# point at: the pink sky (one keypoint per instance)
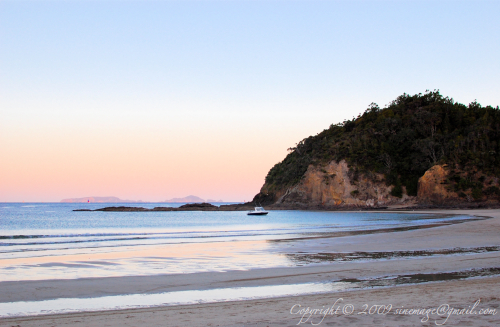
(143, 155)
(150, 100)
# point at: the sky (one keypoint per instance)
(150, 100)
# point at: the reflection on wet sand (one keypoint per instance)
(143, 261)
(66, 305)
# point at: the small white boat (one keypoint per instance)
(258, 211)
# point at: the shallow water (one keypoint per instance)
(68, 305)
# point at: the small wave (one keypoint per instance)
(131, 237)
(73, 242)
(13, 237)
(188, 234)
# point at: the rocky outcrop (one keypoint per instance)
(187, 207)
(334, 185)
(432, 187)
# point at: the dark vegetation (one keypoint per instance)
(402, 141)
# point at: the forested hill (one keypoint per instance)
(402, 141)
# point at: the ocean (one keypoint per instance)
(51, 241)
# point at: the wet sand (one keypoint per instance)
(276, 312)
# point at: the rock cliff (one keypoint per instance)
(444, 185)
(432, 188)
(335, 185)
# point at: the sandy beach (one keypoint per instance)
(238, 163)
(352, 307)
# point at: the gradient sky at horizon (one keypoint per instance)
(150, 100)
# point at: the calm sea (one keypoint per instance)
(50, 240)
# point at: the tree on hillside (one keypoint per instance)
(402, 141)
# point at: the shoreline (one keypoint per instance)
(464, 235)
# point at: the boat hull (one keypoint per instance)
(257, 213)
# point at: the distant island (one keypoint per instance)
(190, 199)
(99, 199)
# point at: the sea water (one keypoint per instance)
(51, 241)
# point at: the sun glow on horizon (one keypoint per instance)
(150, 100)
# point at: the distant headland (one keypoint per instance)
(422, 150)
